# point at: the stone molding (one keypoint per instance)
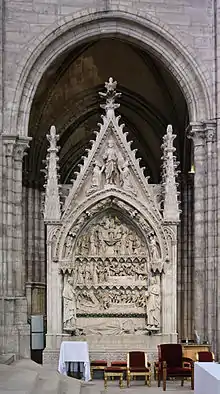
(135, 25)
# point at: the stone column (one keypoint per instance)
(19, 264)
(197, 133)
(209, 296)
(13, 329)
(9, 142)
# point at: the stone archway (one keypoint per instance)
(135, 27)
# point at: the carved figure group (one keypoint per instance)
(110, 237)
(109, 170)
(97, 271)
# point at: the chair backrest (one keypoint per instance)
(171, 353)
(136, 359)
(205, 357)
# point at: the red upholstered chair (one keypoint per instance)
(119, 363)
(171, 364)
(205, 357)
(137, 365)
(97, 365)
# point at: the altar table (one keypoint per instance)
(74, 352)
(207, 378)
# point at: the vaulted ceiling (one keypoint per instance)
(67, 97)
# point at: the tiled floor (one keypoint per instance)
(138, 387)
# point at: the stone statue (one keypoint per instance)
(94, 273)
(68, 246)
(80, 278)
(97, 175)
(153, 248)
(125, 176)
(110, 158)
(69, 303)
(153, 303)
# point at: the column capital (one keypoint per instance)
(22, 143)
(210, 129)
(15, 145)
(201, 132)
(9, 141)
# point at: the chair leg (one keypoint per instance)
(105, 381)
(158, 379)
(182, 382)
(164, 379)
(192, 378)
(128, 379)
(121, 381)
(149, 380)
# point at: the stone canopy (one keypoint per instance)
(111, 252)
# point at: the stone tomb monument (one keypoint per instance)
(111, 246)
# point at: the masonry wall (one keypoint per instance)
(191, 21)
(22, 22)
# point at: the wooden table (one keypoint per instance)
(191, 350)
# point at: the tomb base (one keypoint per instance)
(108, 347)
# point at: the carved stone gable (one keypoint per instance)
(111, 163)
(112, 250)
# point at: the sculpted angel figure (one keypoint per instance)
(125, 176)
(97, 175)
(110, 158)
(153, 248)
(69, 301)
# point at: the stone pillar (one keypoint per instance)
(9, 143)
(209, 296)
(14, 331)
(19, 269)
(197, 133)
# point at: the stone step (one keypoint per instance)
(48, 385)
(17, 381)
(27, 377)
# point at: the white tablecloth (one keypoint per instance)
(74, 352)
(207, 378)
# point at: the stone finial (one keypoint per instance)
(52, 210)
(110, 95)
(171, 205)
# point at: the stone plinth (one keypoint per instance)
(108, 347)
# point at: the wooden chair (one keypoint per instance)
(98, 365)
(112, 372)
(205, 357)
(171, 364)
(137, 365)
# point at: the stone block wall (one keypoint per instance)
(27, 22)
(24, 25)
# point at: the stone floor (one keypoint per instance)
(138, 387)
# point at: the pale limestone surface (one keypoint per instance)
(180, 34)
(27, 377)
(112, 249)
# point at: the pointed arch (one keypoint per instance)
(131, 25)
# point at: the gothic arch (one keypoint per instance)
(141, 219)
(131, 25)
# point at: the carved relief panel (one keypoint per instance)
(110, 273)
